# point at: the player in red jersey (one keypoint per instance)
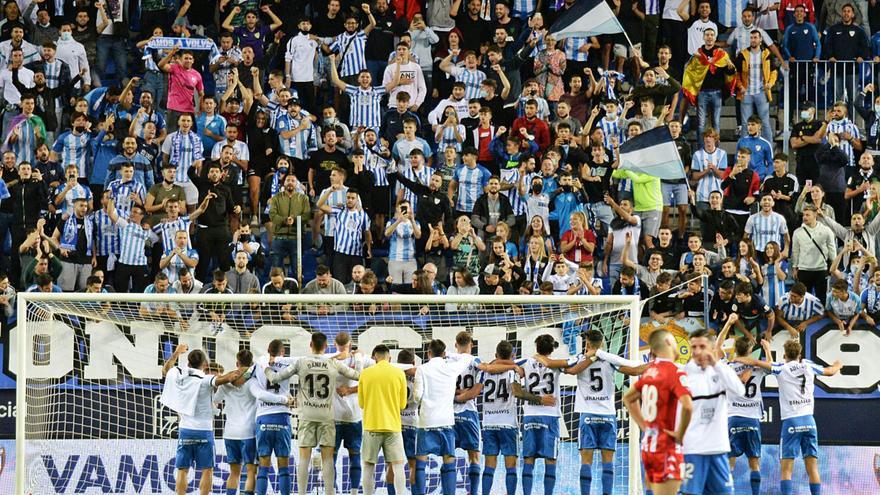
(653, 403)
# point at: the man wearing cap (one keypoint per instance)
(495, 281)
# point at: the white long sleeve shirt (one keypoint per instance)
(73, 54)
(707, 431)
(434, 389)
(412, 81)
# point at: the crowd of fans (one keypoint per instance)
(442, 147)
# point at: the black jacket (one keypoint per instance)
(480, 215)
(219, 208)
(432, 206)
(28, 199)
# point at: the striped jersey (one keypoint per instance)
(105, 234)
(78, 191)
(300, 144)
(523, 8)
(351, 48)
(176, 263)
(334, 199)
(751, 404)
(348, 238)
(26, 144)
(73, 149)
(132, 242)
(844, 310)
(845, 125)
(471, 78)
(871, 299)
(611, 128)
(422, 176)
(366, 106)
(796, 313)
(709, 182)
(571, 47)
(540, 380)
(121, 193)
(402, 243)
(471, 182)
(447, 138)
(774, 287)
(499, 403)
(167, 228)
(730, 12)
(518, 202)
(374, 162)
(183, 151)
(652, 7)
(763, 228)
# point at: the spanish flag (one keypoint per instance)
(695, 72)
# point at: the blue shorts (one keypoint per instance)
(674, 194)
(745, 437)
(597, 431)
(273, 435)
(437, 441)
(799, 437)
(540, 437)
(409, 441)
(241, 451)
(467, 430)
(500, 440)
(195, 447)
(706, 475)
(352, 434)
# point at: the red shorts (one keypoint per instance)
(664, 465)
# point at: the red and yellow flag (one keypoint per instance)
(696, 69)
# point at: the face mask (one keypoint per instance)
(806, 115)
(483, 93)
(537, 188)
(80, 128)
(330, 121)
(65, 36)
(877, 108)
(282, 170)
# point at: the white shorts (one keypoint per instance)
(401, 272)
(192, 193)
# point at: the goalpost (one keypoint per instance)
(89, 373)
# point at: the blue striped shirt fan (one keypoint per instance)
(183, 150)
(73, 149)
(351, 48)
(402, 244)
(132, 242)
(517, 201)
(334, 200)
(349, 237)
(709, 182)
(366, 106)
(121, 194)
(300, 144)
(762, 229)
(168, 229)
(106, 234)
(471, 182)
(471, 78)
(422, 176)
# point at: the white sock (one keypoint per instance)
(400, 479)
(368, 480)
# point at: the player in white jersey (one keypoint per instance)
(500, 392)
(189, 388)
(273, 421)
(541, 421)
(796, 378)
(706, 444)
(409, 420)
(744, 412)
(467, 418)
(434, 390)
(597, 425)
(317, 381)
(347, 411)
(240, 399)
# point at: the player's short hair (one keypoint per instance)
(798, 288)
(319, 341)
(743, 288)
(219, 275)
(840, 285)
(792, 350)
(504, 350)
(244, 357)
(463, 338)
(342, 338)
(437, 348)
(545, 344)
(275, 347)
(406, 356)
(664, 278)
(726, 285)
(322, 270)
(657, 340)
(628, 271)
(381, 351)
(91, 280)
(197, 359)
(742, 346)
(700, 333)
(594, 338)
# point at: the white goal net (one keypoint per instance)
(89, 375)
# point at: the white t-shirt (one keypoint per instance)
(707, 432)
(469, 378)
(434, 389)
(202, 418)
(695, 34)
(301, 55)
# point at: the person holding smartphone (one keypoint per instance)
(402, 231)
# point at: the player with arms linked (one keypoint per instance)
(796, 378)
(653, 403)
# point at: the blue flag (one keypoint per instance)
(653, 153)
